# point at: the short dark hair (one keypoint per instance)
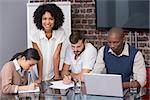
(75, 37)
(117, 30)
(28, 54)
(55, 11)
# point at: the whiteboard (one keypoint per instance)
(66, 8)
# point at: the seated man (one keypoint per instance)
(80, 58)
(118, 57)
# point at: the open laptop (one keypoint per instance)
(103, 84)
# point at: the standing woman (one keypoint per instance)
(12, 75)
(48, 40)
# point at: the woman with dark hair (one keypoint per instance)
(48, 40)
(13, 76)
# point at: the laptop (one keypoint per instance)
(103, 84)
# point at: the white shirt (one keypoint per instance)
(139, 70)
(86, 60)
(47, 48)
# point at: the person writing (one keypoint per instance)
(80, 58)
(13, 76)
(48, 40)
(118, 57)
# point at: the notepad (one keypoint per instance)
(61, 85)
(37, 89)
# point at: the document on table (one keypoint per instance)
(61, 85)
(37, 89)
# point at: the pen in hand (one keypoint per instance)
(33, 86)
(67, 79)
(75, 80)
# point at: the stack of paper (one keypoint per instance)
(37, 89)
(61, 85)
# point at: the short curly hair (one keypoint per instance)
(55, 11)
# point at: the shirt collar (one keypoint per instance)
(77, 58)
(124, 52)
(43, 36)
(17, 66)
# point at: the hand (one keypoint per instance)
(58, 77)
(80, 77)
(131, 84)
(134, 84)
(38, 81)
(67, 79)
(32, 86)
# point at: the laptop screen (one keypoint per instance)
(103, 84)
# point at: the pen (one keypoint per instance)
(67, 77)
(30, 79)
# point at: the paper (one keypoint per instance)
(28, 91)
(61, 85)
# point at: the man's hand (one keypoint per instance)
(67, 79)
(58, 77)
(135, 84)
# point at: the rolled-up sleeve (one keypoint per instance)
(99, 66)
(33, 36)
(90, 58)
(139, 69)
(61, 35)
(68, 55)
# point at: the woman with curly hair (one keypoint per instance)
(48, 40)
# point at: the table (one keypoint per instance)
(47, 93)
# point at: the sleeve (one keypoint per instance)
(7, 85)
(16, 89)
(68, 56)
(90, 58)
(139, 70)
(99, 66)
(33, 36)
(62, 35)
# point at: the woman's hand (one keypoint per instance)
(32, 86)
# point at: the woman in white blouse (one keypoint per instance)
(48, 40)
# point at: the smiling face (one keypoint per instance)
(78, 47)
(47, 22)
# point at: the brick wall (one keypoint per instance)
(83, 19)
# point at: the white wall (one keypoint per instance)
(12, 28)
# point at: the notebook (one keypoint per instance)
(103, 84)
(61, 85)
(37, 89)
